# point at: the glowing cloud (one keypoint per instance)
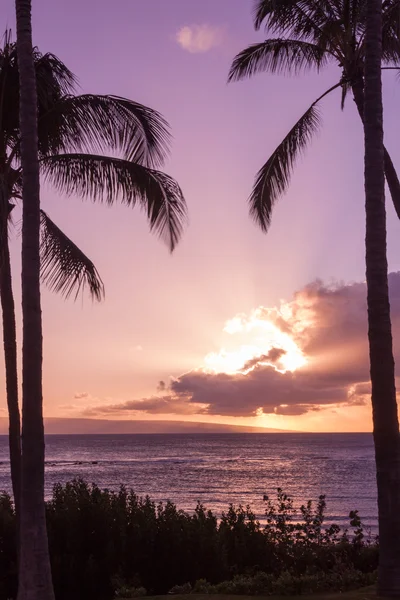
(199, 38)
(300, 357)
(265, 336)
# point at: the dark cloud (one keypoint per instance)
(162, 386)
(263, 388)
(273, 356)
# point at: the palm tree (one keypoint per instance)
(384, 405)
(34, 565)
(360, 36)
(310, 35)
(57, 254)
(71, 130)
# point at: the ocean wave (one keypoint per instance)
(139, 461)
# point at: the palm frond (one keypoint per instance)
(64, 267)
(53, 81)
(93, 123)
(391, 17)
(332, 37)
(390, 31)
(390, 46)
(277, 56)
(273, 178)
(53, 78)
(89, 122)
(107, 179)
(295, 18)
(319, 22)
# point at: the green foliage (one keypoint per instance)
(107, 544)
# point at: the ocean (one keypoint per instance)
(219, 469)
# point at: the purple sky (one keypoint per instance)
(163, 314)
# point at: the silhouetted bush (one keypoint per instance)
(285, 584)
(105, 544)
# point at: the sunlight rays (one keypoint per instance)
(261, 344)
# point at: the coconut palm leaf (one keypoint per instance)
(332, 37)
(391, 50)
(390, 35)
(93, 123)
(277, 56)
(106, 179)
(64, 267)
(273, 178)
(53, 80)
(296, 18)
(89, 122)
(52, 73)
(390, 17)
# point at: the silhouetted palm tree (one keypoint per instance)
(310, 35)
(384, 405)
(72, 130)
(57, 255)
(360, 36)
(34, 574)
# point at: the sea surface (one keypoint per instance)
(219, 469)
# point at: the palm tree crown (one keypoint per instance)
(101, 147)
(310, 35)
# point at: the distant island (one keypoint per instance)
(102, 426)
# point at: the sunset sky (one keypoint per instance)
(236, 326)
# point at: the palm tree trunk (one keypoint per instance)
(384, 406)
(390, 172)
(10, 358)
(35, 582)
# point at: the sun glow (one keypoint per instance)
(263, 344)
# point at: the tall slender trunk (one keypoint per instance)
(35, 582)
(390, 172)
(384, 406)
(10, 358)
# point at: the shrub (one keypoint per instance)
(287, 584)
(105, 544)
(130, 592)
(186, 588)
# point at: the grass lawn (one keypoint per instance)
(360, 594)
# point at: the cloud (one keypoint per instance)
(273, 357)
(329, 326)
(199, 38)
(81, 395)
(156, 405)
(296, 358)
(263, 388)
